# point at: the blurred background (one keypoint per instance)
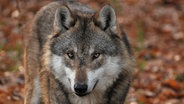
(155, 29)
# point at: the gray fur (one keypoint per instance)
(61, 27)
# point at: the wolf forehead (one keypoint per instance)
(84, 41)
(85, 35)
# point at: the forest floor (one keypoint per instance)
(155, 29)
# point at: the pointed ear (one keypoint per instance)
(107, 19)
(63, 19)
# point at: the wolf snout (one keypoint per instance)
(80, 89)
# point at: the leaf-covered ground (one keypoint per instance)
(155, 29)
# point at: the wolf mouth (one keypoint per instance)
(95, 84)
(81, 94)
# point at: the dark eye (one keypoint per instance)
(70, 55)
(96, 55)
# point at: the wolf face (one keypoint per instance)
(86, 53)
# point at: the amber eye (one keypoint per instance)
(96, 55)
(70, 55)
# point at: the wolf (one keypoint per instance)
(76, 55)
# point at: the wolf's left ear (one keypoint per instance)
(107, 19)
(63, 19)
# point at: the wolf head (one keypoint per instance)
(86, 52)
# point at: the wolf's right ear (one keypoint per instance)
(63, 19)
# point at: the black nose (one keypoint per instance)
(80, 89)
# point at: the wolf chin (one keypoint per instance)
(75, 55)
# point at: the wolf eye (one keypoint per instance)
(70, 55)
(96, 55)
